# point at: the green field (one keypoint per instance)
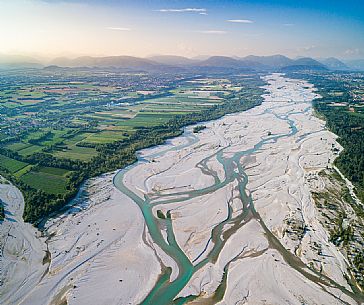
(30, 150)
(52, 184)
(104, 137)
(69, 125)
(11, 165)
(17, 146)
(54, 171)
(75, 153)
(23, 171)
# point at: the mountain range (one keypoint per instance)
(214, 63)
(175, 63)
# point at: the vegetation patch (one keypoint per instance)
(51, 184)
(2, 211)
(198, 128)
(11, 165)
(337, 210)
(54, 171)
(340, 89)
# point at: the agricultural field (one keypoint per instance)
(46, 181)
(11, 165)
(76, 110)
(74, 152)
(60, 126)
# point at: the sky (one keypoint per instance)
(46, 28)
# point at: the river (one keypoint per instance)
(224, 216)
(277, 107)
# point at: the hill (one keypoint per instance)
(274, 61)
(334, 64)
(173, 63)
(108, 61)
(17, 61)
(356, 64)
(172, 60)
(278, 62)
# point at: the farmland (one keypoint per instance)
(61, 126)
(10, 164)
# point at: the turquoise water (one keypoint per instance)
(165, 291)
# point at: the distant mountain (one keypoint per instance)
(334, 64)
(60, 62)
(253, 65)
(17, 62)
(172, 60)
(115, 62)
(108, 61)
(16, 59)
(307, 61)
(230, 63)
(274, 61)
(220, 61)
(304, 63)
(355, 64)
(200, 57)
(172, 63)
(20, 65)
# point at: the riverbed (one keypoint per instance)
(223, 216)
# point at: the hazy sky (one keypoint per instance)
(319, 28)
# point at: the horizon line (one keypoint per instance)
(45, 58)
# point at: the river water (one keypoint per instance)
(167, 291)
(219, 213)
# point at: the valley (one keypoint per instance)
(231, 213)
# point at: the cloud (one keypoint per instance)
(308, 48)
(288, 24)
(212, 32)
(201, 11)
(112, 28)
(240, 21)
(352, 52)
(305, 48)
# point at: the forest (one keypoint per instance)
(343, 113)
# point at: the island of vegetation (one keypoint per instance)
(2, 212)
(198, 128)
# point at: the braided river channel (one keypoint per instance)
(225, 155)
(222, 216)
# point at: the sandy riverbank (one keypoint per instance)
(22, 249)
(272, 250)
(97, 250)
